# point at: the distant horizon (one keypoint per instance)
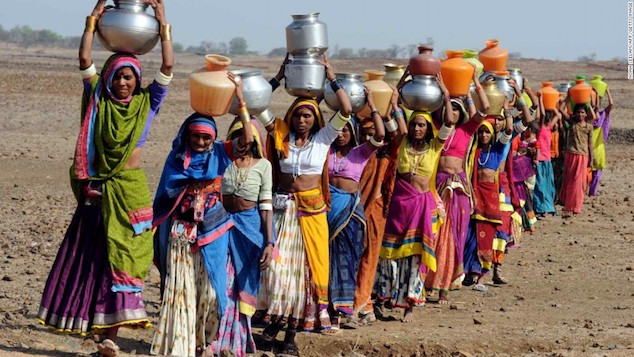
(567, 31)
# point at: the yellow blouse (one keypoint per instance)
(419, 164)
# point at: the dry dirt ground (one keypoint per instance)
(571, 288)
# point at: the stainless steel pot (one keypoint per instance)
(502, 83)
(484, 75)
(257, 92)
(306, 34)
(128, 28)
(563, 88)
(422, 93)
(516, 74)
(352, 84)
(304, 76)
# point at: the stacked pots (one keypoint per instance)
(128, 28)
(422, 91)
(306, 40)
(352, 84)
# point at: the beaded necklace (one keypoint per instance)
(415, 157)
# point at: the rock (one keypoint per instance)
(588, 325)
(7, 278)
(502, 309)
(613, 347)
(630, 325)
(477, 322)
(629, 268)
(556, 305)
(626, 199)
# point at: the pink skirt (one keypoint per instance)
(573, 188)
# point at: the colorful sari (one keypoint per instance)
(96, 281)
(407, 252)
(187, 203)
(376, 184)
(347, 225)
(599, 139)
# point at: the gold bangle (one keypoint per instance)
(166, 32)
(91, 24)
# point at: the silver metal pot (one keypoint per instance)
(257, 92)
(484, 75)
(516, 74)
(564, 87)
(304, 76)
(128, 28)
(502, 83)
(306, 34)
(422, 93)
(352, 84)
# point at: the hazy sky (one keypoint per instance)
(553, 29)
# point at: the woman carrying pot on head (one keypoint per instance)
(108, 243)
(413, 217)
(544, 191)
(456, 193)
(579, 157)
(298, 150)
(207, 286)
(485, 245)
(376, 185)
(346, 218)
(599, 139)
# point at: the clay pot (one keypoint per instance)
(393, 73)
(598, 84)
(550, 96)
(493, 57)
(381, 93)
(424, 63)
(471, 56)
(456, 74)
(210, 91)
(352, 84)
(580, 93)
(495, 96)
(422, 93)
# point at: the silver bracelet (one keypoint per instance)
(88, 72)
(376, 143)
(266, 206)
(391, 126)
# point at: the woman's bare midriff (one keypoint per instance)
(235, 204)
(486, 175)
(134, 161)
(344, 183)
(451, 165)
(301, 183)
(421, 183)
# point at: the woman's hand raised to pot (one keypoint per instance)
(238, 82)
(280, 73)
(99, 8)
(330, 73)
(441, 85)
(159, 10)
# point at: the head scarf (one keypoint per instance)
(203, 125)
(283, 128)
(427, 116)
(461, 108)
(101, 151)
(257, 147)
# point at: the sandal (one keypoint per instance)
(354, 322)
(481, 288)
(108, 348)
(269, 334)
(498, 280)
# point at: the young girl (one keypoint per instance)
(544, 192)
(579, 156)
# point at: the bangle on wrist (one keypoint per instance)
(89, 72)
(335, 85)
(91, 24)
(166, 32)
(391, 126)
(272, 244)
(373, 111)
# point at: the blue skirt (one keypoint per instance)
(544, 192)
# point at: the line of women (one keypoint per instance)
(320, 225)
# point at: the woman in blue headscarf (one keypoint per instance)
(192, 234)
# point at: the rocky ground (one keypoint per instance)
(571, 288)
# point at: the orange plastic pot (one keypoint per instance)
(493, 57)
(456, 73)
(580, 93)
(550, 96)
